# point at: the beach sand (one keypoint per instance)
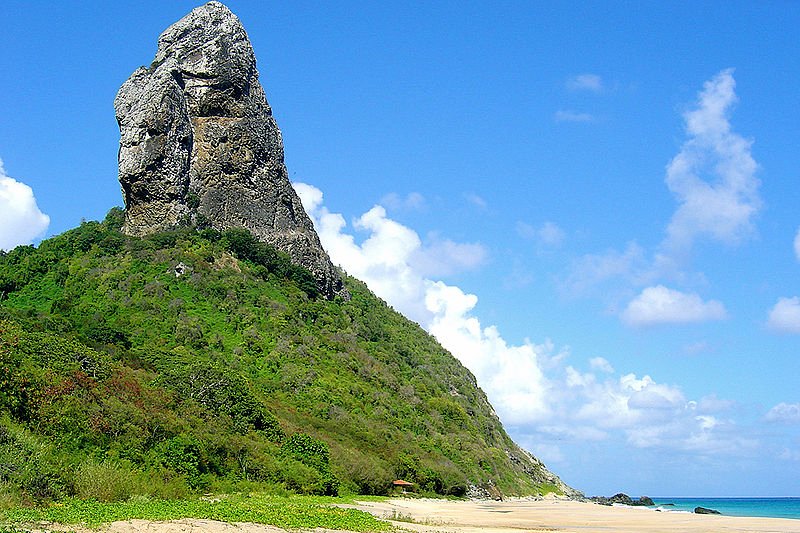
(441, 516)
(559, 515)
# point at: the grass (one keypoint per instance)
(397, 516)
(292, 512)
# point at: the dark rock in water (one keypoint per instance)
(705, 510)
(622, 499)
(198, 143)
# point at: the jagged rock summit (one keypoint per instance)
(198, 142)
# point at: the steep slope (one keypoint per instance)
(194, 360)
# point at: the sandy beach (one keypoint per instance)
(440, 516)
(559, 515)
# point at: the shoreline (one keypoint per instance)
(567, 516)
(481, 516)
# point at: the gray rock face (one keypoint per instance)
(198, 142)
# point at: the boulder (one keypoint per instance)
(705, 510)
(622, 499)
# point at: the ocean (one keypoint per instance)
(766, 507)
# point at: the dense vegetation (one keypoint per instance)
(193, 361)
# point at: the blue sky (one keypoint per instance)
(593, 205)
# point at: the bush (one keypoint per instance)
(245, 246)
(313, 453)
(104, 481)
(184, 454)
(222, 391)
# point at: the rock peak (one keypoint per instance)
(198, 143)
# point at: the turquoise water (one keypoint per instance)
(767, 507)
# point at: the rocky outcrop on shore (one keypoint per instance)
(199, 144)
(622, 499)
(705, 510)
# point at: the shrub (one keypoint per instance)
(104, 481)
(314, 453)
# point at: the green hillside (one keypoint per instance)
(194, 361)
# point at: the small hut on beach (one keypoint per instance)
(402, 486)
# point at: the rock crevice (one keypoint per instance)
(198, 142)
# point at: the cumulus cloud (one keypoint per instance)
(388, 260)
(601, 364)
(511, 375)
(411, 202)
(585, 82)
(713, 176)
(661, 305)
(443, 257)
(531, 386)
(646, 413)
(20, 219)
(788, 413)
(594, 270)
(712, 404)
(785, 315)
(566, 115)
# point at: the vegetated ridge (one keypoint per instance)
(194, 360)
(201, 340)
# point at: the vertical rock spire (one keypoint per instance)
(198, 141)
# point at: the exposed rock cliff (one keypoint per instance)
(198, 142)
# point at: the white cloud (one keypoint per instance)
(713, 176)
(20, 219)
(797, 245)
(565, 115)
(388, 260)
(531, 386)
(548, 453)
(585, 82)
(785, 412)
(785, 315)
(713, 404)
(601, 364)
(511, 375)
(443, 257)
(593, 270)
(661, 305)
(548, 234)
(713, 179)
(411, 202)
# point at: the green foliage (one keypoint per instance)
(241, 243)
(222, 392)
(293, 513)
(314, 453)
(117, 367)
